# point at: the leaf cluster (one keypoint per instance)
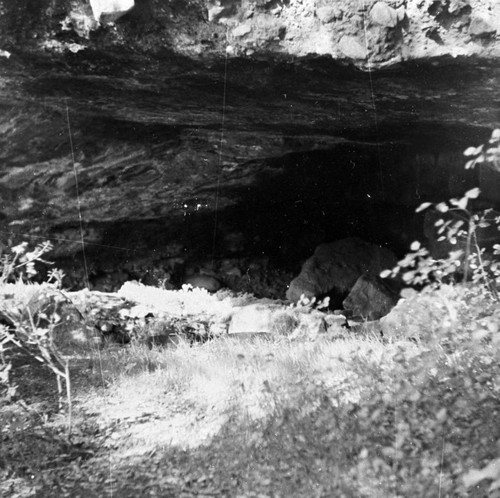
(459, 227)
(413, 422)
(20, 263)
(29, 323)
(488, 154)
(306, 303)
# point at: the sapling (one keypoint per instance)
(21, 260)
(459, 226)
(31, 325)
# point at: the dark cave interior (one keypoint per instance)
(173, 176)
(297, 202)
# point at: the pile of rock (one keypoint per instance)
(347, 271)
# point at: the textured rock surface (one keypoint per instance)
(259, 317)
(370, 298)
(207, 282)
(275, 319)
(335, 267)
(371, 33)
(152, 168)
(106, 11)
(420, 316)
(154, 140)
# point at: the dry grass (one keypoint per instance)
(272, 417)
(185, 395)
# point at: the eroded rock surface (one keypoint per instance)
(335, 267)
(370, 33)
(212, 131)
(371, 298)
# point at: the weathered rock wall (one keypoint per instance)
(370, 33)
(281, 143)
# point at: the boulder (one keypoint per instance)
(310, 325)
(335, 267)
(242, 30)
(328, 13)
(457, 6)
(259, 317)
(481, 27)
(371, 298)
(353, 48)
(270, 319)
(207, 282)
(384, 15)
(421, 315)
(106, 11)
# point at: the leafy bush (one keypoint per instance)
(476, 261)
(20, 265)
(412, 422)
(29, 315)
(451, 390)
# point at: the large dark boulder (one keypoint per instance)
(371, 297)
(335, 267)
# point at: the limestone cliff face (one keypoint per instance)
(138, 124)
(369, 33)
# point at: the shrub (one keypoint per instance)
(30, 315)
(450, 390)
(20, 264)
(410, 421)
(474, 260)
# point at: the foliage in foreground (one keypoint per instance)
(421, 422)
(473, 315)
(465, 230)
(294, 418)
(29, 316)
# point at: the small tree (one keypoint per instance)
(30, 325)
(478, 264)
(20, 265)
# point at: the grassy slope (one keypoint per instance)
(350, 417)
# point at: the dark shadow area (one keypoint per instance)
(298, 201)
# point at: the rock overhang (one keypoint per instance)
(174, 119)
(371, 34)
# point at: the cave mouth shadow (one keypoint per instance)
(303, 199)
(300, 200)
